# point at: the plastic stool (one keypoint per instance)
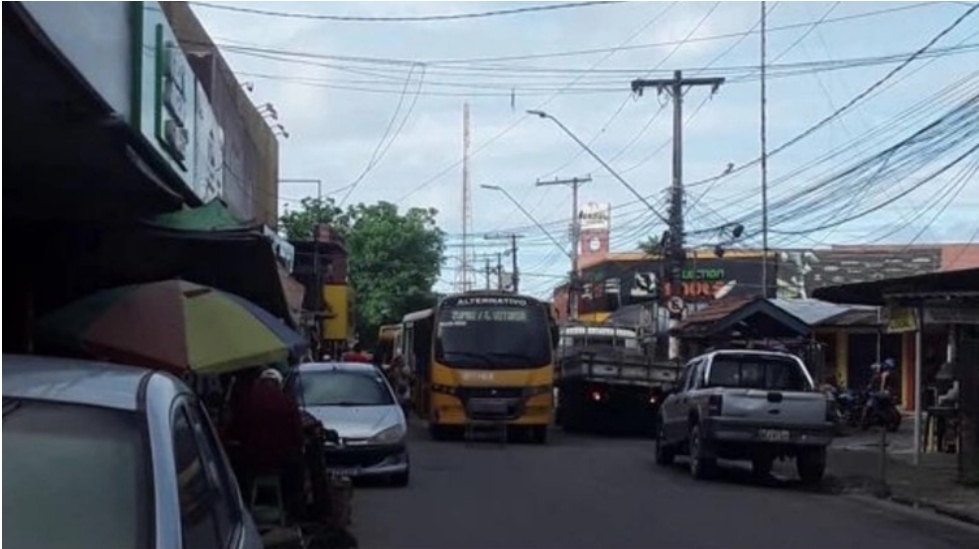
(264, 513)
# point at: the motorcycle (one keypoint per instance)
(880, 409)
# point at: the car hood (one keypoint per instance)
(357, 422)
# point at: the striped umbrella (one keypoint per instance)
(174, 325)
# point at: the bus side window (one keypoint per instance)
(408, 338)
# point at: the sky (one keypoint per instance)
(380, 104)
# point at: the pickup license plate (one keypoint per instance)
(774, 435)
(346, 472)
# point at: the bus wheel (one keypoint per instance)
(436, 431)
(538, 435)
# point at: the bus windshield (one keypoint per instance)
(482, 334)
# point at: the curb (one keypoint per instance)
(869, 487)
(939, 508)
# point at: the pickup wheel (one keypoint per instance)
(811, 465)
(664, 453)
(701, 466)
(761, 466)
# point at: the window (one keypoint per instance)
(490, 336)
(198, 521)
(226, 508)
(772, 373)
(340, 388)
(75, 476)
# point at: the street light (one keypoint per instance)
(528, 214)
(542, 114)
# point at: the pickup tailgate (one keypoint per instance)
(774, 407)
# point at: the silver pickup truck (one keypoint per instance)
(746, 405)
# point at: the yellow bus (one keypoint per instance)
(387, 342)
(482, 355)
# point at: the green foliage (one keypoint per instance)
(650, 246)
(394, 258)
(299, 224)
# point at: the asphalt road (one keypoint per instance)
(593, 492)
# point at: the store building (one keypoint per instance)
(108, 127)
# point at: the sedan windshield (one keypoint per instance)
(74, 476)
(339, 388)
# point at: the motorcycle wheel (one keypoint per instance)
(893, 420)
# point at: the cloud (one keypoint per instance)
(335, 130)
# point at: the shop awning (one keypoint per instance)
(211, 246)
(948, 284)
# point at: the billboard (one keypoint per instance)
(595, 223)
(595, 217)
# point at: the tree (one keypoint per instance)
(394, 258)
(394, 261)
(299, 224)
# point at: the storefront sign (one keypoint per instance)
(595, 217)
(902, 320)
(934, 315)
(171, 109)
(208, 150)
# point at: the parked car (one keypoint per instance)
(357, 402)
(746, 405)
(101, 455)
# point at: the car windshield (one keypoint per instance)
(493, 337)
(340, 388)
(757, 372)
(74, 476)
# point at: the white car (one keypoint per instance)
(356, 401)
(101, 455)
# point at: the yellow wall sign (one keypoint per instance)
(336, 326)
(902, 320)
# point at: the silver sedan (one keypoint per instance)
(356, 401)
(99, 455)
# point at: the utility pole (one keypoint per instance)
(574, 183)
(675, 255)
(515, 274)
(488, 271)
(764, 162)
(499, 271)
(512, 238)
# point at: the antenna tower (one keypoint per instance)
(465, 266)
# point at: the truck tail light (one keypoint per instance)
(596, 396)
(714, 405)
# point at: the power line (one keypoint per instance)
(879, 82)
(399, 19)
(378, 151)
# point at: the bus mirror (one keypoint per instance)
(555, 335)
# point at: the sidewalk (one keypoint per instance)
(854, 466)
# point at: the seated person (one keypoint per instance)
(357, 355)
(267, 425)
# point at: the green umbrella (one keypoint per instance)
(174, 325)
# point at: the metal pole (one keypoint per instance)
(674, 254)
(488, 270)
(764, 162)
(499, 271)
(917, 384)
(573, 293)
(575, 241)
(516, 272)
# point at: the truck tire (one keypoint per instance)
(664, 452)
(811, 465)
(701, 467)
